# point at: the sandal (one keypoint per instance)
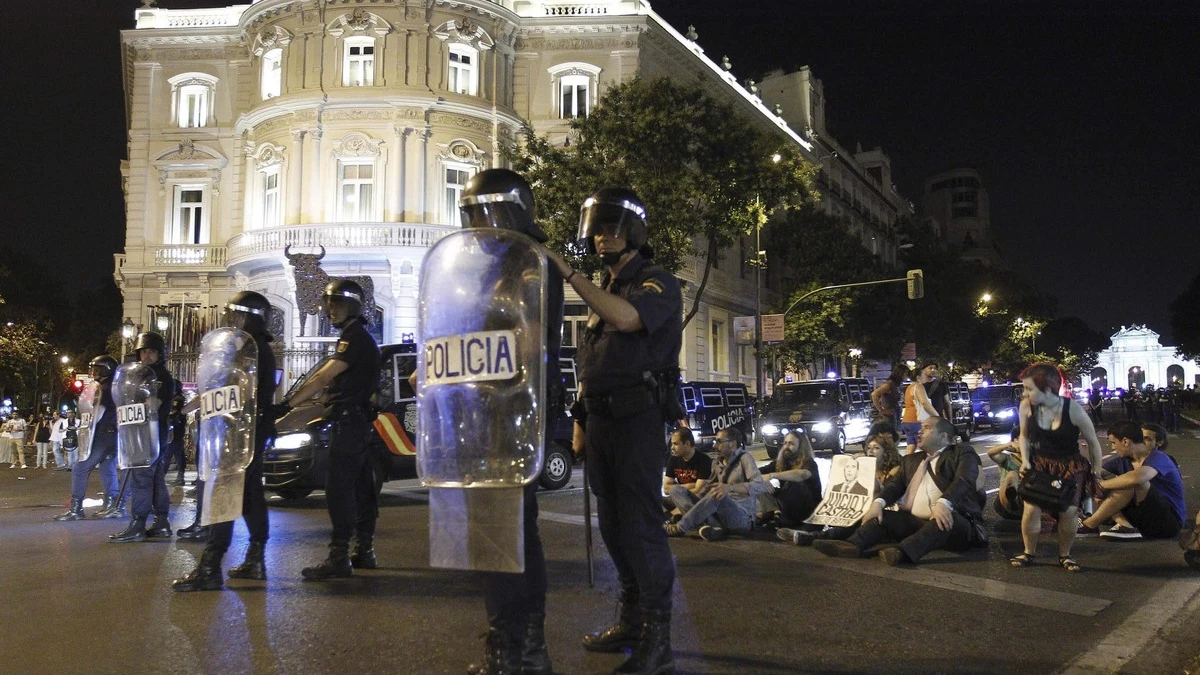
(1023, 560)
(1068, 563)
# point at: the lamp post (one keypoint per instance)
(127, 333)
(760, 260)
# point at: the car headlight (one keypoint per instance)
(822, 428)
(293, 441)
(770, 429)
(1005, 414)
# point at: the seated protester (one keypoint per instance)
(686, 468)
(887, 464)
(884, 428)
(794, 484)
(1008, 457)
(1146, 501)
(727, 503)
(938, 499)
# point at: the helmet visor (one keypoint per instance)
(612, 219)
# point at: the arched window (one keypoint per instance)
(463, 69)
(272, 73)
(575, 85)
(192, 97)
(1175, 375)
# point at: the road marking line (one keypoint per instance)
(1123, 643)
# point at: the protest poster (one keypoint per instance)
(850, 493)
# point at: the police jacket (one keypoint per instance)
(609, 360)
(352, 388)
(166, 392)
(264, 396)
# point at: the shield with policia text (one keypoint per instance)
(135, 392)
(89, 411)
(227, 377)
(481, 378)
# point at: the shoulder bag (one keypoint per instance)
(1043, 489)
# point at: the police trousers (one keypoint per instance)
(148, 485)
(254, 507)
(103, 455)
(350, 480)
(625, 460)
(511, 598)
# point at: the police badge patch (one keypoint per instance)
(342, 346)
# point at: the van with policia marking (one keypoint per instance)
(713, 406)
(297, 461)
(834, 413)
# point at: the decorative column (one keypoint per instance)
(396, 169)
(295, 184)
(313, 211)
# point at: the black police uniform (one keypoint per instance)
(149, 484)
(349, 482)
(254, 502)
(626, 447)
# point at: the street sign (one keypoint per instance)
(909, 351)
(772, 328)
(743, 329)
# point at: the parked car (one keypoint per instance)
(995, 407)
(296, 462)
(713, 406)
(834, 413)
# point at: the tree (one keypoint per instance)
(705, 173)
(1075, 343)
(1185, 320)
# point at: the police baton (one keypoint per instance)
(587, 526)
(121, 492)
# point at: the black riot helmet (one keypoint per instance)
(152, 340)
(499, 198)
(247, 311)
(344, 298)
(102, 367)
(613, 211)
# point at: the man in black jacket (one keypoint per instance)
(939, 503)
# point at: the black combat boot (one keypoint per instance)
(652, 655)
(535, 659)
(363, 557)
(254, 567)
(206, 576)
(161, 529)
(135, 531)
(73, 513)
(117, 510)
(501, 655)
(336, 566)
(109, 506)
(193, 531)
(624, 633)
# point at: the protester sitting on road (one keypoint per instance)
(1155, 436)
(728, 502)
(1008, 503)
(884, 428)
(795, 484)
(887, 465)
(939, 504)
(1145, 501)
(686, 469)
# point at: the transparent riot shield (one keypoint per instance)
(481, 380)
(135, 393)
(227, 377)
(89, 411)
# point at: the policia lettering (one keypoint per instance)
(629, 352)
(474, 357)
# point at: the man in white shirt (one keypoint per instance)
(940, 505)
(16, 427)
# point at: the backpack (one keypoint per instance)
(71, 439)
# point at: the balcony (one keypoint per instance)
(363, 239)
(192, 257)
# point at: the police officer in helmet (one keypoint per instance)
(246, 311)
(148, 485)
(628, 368)
(103, 453)
(348, 379)
(516, 603)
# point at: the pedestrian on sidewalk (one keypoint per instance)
(41, 436)
(917, 408)
(57, 427)
(70, 439)
(16, 430)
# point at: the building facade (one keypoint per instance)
(1137, 359)
(279, 141)
(957, 202)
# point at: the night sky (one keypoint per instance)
(1078, 115)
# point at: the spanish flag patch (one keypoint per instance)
(393, 435)
(652, 285)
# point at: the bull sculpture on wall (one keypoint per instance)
(311, 281)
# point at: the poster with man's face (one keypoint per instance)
(849, 493)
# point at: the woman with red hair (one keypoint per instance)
(1050, 429)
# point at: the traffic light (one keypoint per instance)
(76, 387)
(916, 284)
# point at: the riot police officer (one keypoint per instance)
(516, 603)
(245, 311)
(148, 484)
(628, 365)
(103, 453)
(348, 379)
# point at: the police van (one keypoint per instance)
(297, 462)
(713, 406)
(833, 412)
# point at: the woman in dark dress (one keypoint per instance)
(1050, 429)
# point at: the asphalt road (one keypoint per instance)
(74, 603)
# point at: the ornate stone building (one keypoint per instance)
(1136, 359)
(348, 128)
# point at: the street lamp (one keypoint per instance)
(760, 260)
(127, 332)
(162, 322)
(985, 298)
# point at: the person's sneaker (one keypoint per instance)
(673, 530)
(1085, 531)
(1122, 532)
(786, 534)
(797, 537)
(712, 533)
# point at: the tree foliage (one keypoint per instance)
(705, 173)
(1185, 320)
